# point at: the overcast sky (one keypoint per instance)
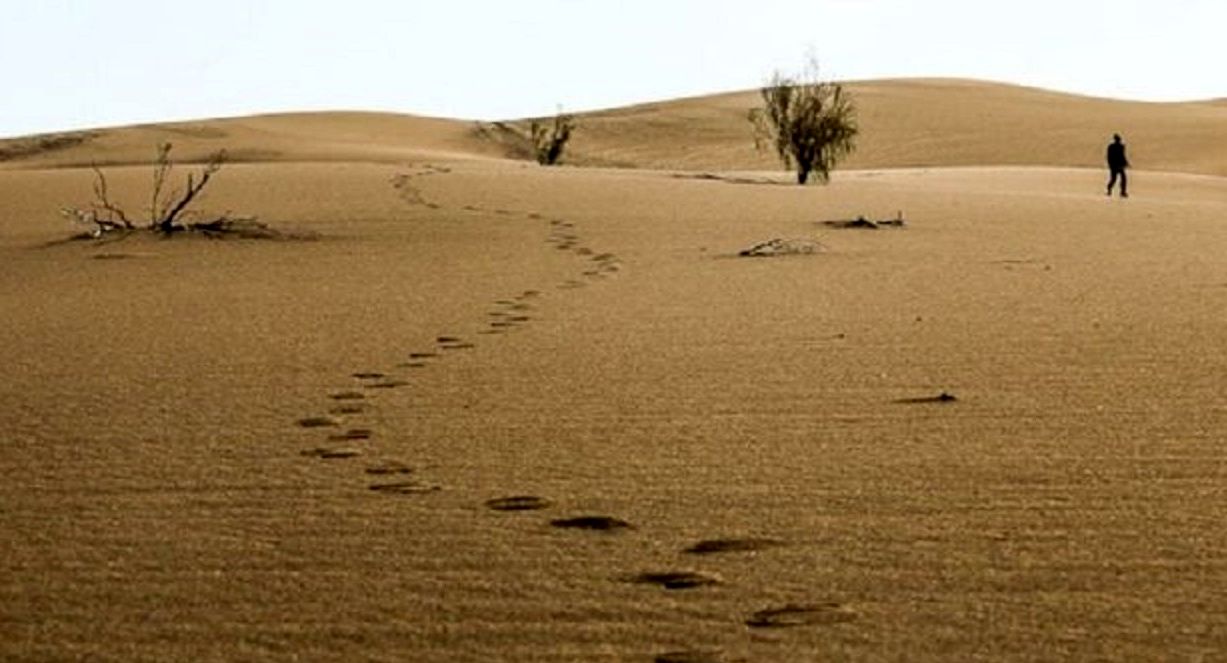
(83, 63)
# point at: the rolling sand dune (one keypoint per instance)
(481, 410)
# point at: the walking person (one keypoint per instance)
(1117, 163)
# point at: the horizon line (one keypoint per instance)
(600, 108)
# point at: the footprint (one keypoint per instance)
(752, 544)
(676, 579)
(367, 375)
(447, 339)
(331, 454)
(811, 614)
(424, 355)
(347, 396)
(390, 467)
(318, 422)
(528, 294)
(690, 656)
(388, 384)
(601, 523)
(458, 346)
(943, 397)
(413, 364)
(352, 435)
(352, 408)
(404, 488)
(518, 503)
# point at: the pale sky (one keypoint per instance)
(68, 64)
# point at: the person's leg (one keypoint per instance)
(1124, 185)
(1111, 181)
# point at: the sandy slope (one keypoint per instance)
(905, 123)
(158, 505)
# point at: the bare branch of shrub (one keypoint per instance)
(102, 200)
(168, 207)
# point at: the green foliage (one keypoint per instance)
(810, 123)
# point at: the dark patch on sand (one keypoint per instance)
(943, 397)
(749, 544)
(389, 468)
(388, 384)
(865, 223)
(675, 579)
(809, 614)
(331, 454)
(318, 422)
(353, 434)
(518, 503)
(600, 523)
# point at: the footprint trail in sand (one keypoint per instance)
(349, 437)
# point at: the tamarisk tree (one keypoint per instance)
(811, 123)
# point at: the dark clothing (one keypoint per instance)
(1124, 182)
(1116, 157)
(1117, 163)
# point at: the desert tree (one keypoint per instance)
(549, 140)
(168, 204)
(810, 122)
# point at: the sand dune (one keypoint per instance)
(498, 412)
(905, 123)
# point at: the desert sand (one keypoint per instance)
(301, 449)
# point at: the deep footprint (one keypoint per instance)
(331, 454)
(943, 397)
(676, 579)
(752, 544)
(347, 396)
(600, 523)
(352, 435)
(518, 503)
(389, 468)
(811, 614)
(318, 422)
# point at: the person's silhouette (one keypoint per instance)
(1117, 163)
